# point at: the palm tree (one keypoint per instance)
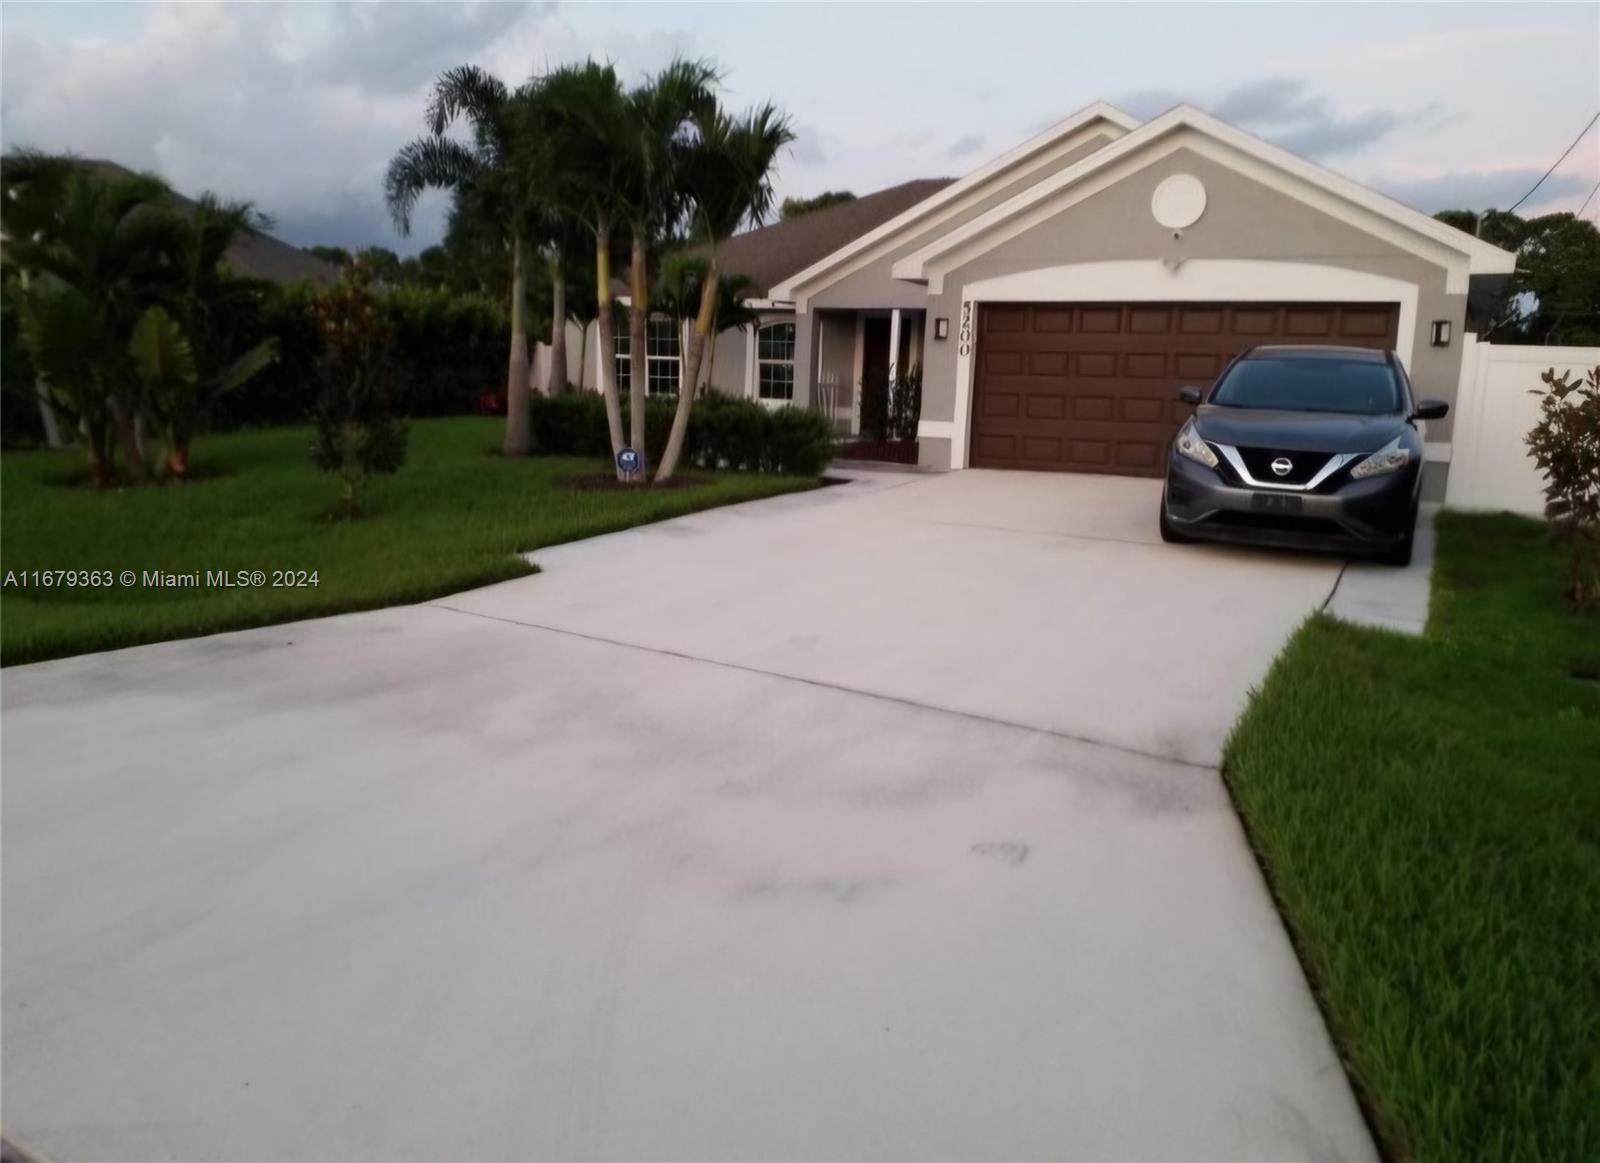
(582, 108)
(655, 144)
(727, 175)
(190, 358)
(96, 247)
(494, 180)
(731, 313)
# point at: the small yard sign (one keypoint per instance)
(628, 461)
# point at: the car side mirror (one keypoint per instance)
(1430, 410)
(1190, 396)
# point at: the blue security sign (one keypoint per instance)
(628, 461)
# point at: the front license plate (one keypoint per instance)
(1275, 503)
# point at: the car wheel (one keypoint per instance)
(1400, 555)
(1168, 534)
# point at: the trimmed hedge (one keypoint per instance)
(448, 350)
(723, 432)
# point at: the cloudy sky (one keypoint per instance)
(299, 107)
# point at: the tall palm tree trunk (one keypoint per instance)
(556, 380)
(638, 355)
(606, 339)
(691, 374)
(128, 436)
(516, 442)
(711, 355)
(583, 353)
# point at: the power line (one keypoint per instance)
(1587, 200)
(1559, 160)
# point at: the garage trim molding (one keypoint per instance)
(1150, 281)
(1185, 127)
(1097, 120)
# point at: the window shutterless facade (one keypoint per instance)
(663, 355)
(775, 362)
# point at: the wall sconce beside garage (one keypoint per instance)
(1440, 333)
(941, 328)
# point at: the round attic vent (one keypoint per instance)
(1178, 201)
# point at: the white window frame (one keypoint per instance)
(655, 328)
(760, 362)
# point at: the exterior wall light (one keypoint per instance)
(941, 328)
(1441, 333)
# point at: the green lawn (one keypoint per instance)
(1428, 812)
(454, 517)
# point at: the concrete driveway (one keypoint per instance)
(880, 822)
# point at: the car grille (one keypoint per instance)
(1306, 465)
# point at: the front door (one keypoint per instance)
(875, 351)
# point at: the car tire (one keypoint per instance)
(1168, 534)
(1400, 555)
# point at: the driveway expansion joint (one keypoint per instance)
(1067, 736)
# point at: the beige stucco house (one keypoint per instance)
(1056, 298)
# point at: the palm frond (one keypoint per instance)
(465, 91)
(246, 367)
(161, 353)
(427, 163)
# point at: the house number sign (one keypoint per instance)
(964, 336)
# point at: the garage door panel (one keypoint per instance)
(1155, 321)
(1200, 322)
(1145, 365)
(1132, 455)
(1092, 408)
(1100, 320)
(1052, 320)
(1004, 319)
(1041, 448)
(1000, 405)
(1254, 322)
(1093, 387)
(1197, 366)
(1365, 324)
(1141, 411)
(1090, 452)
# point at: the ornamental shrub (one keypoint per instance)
(723, 432)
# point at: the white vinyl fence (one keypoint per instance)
(1495, 408)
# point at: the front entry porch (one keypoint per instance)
(857, 353)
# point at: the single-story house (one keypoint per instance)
(1056, 298)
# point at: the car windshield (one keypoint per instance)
(1318, 384)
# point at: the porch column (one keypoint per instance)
(894, 344)
(805, 358)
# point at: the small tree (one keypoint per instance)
(1565, 444)
(357, 436)
(905, 404)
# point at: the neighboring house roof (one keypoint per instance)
(258, 256)
(1459, 253)
(953, 198)
(771, 253)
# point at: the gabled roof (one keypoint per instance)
(257, 256)
(771, 253)
(1460, 253)
(1099, 117)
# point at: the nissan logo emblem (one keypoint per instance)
(1283, 466)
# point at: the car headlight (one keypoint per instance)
(1189, 444)
(1389, 458)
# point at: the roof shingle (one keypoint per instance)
(771, 254)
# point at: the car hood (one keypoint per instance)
(1297, 431)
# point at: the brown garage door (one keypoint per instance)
(1092, 387)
